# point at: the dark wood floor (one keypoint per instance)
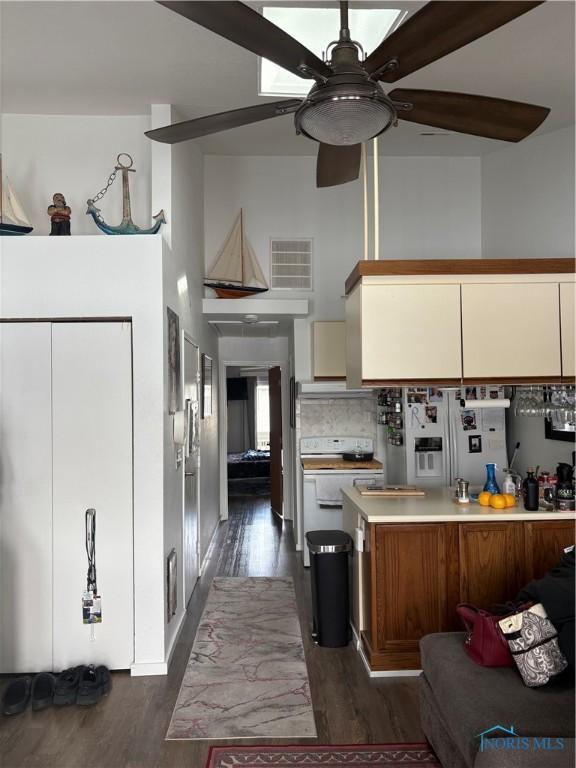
(127, 729)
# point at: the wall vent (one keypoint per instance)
(291, 264)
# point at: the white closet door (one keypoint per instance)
(25, 498)
(92, 460)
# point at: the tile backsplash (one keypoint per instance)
(342, 417)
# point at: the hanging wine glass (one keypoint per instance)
(520, 402)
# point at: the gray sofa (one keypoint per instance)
(460, 700)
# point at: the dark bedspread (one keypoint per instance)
(249, 464)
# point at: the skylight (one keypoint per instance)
(316, 28)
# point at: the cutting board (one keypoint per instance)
(390, 490)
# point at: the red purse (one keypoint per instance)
(485, 643)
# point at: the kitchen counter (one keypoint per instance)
(437, 506)
(417, 557)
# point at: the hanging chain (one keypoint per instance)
(103, 191)
(119, 167)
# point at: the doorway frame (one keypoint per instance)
(287, 449)
(186, 337)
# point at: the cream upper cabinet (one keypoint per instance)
(452, 321)
(510, 330)
(329, 349)
(567, 292)
(404, 332)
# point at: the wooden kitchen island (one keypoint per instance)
(424, 555)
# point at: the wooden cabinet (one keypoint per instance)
(567, 314)
(413, 591)
(329, 349)
(491, 567)
(510, 330)
(543, 541)
(415, 574)
(448, 322)
(408, 333)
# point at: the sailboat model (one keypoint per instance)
(13, 219)
(236, 272)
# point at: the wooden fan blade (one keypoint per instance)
(466, 113)
(438, 29)
(337, 165)
(248, 28)
(203, 126)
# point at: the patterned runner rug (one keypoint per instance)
(335, 756)
(246, 677)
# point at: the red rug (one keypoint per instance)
(329, 756)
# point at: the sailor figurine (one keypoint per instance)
(59, 214)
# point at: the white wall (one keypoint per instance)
(43, 277)
(177, 179)
(535, 449)
(528, 198)
(75, 155)
(106, 276)
(430, 207)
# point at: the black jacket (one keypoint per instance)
(555, 590)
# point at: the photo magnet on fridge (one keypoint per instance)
(474, 443)
(468, 417)
(431, 414)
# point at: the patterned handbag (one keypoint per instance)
(533, 641)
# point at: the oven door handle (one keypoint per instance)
(365, 481)
(328, 503)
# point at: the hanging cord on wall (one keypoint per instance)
(91, 551)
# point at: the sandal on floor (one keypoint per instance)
(43, 691)
(94, 684)
(17, 695)
(66, 686)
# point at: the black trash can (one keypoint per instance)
(329, 552)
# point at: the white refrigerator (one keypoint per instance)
(444, 441)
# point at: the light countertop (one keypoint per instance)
(437, 506)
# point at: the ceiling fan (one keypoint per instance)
(346, 105)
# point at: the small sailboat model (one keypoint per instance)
(236, 272)
(13, 219)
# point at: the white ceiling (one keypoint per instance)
(256, 330)
(119, 57)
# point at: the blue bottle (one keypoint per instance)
(491, 485)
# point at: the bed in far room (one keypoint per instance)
(249, 473)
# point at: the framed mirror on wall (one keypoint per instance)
(206, 399)
(560, 413)
(559, 430)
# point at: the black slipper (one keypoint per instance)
(17, 695)
(66, 686)
(94, 684)
(42, 691)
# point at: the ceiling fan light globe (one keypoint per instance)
(345, 115)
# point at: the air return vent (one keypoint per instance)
(291, 264)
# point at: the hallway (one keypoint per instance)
(127, 729)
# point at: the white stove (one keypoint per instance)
(322, 495)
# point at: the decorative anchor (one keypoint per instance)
(127, 226)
